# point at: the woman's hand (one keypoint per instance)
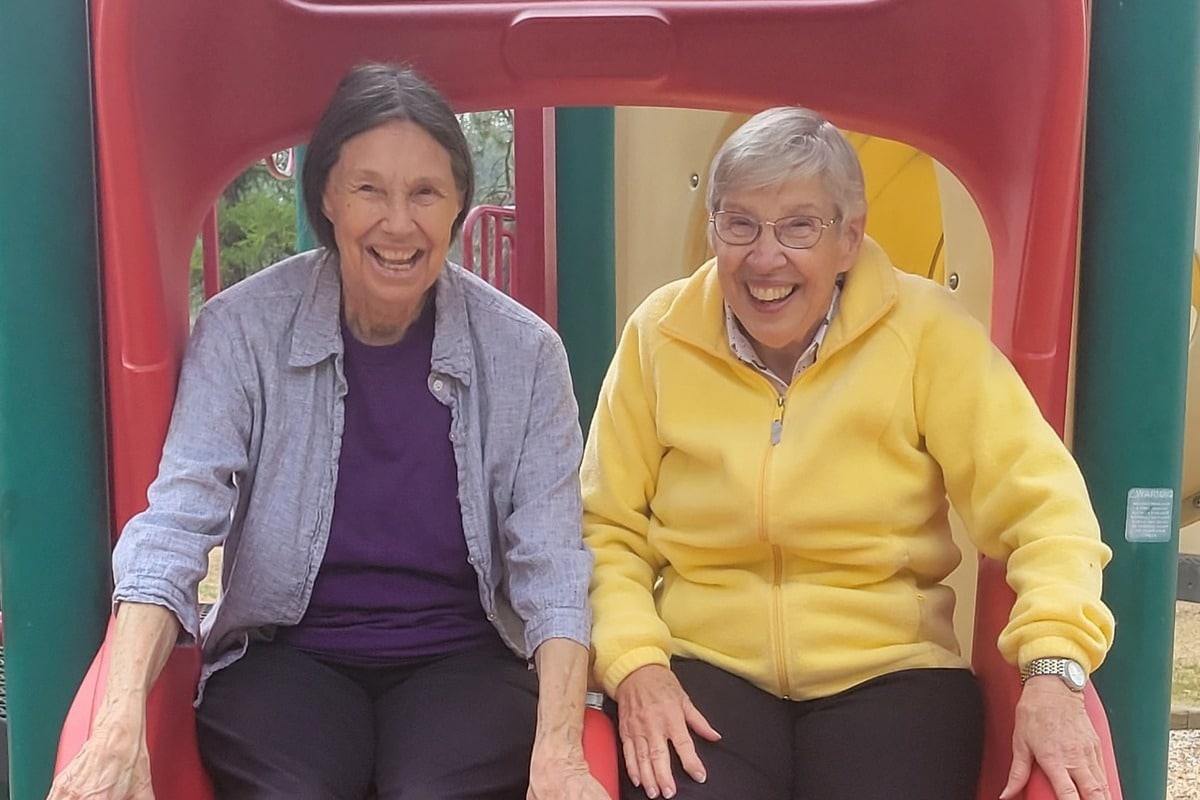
(113, 764)
(653, 710)
(562, 775)
(557, 769)
(1053, 729)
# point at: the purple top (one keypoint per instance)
(395, 582)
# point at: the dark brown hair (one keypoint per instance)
(368, 96)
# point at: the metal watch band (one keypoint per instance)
(1071, 672)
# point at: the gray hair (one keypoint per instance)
(371, 95)
(784, 143)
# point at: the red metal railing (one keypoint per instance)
(489, 240)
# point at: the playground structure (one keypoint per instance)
(1008, 123)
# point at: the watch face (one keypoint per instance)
(1075, 674)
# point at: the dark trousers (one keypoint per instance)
(279, 723)
(910, 735)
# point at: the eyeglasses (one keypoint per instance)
(796, 233)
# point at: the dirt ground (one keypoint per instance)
(1186, 688)
(1187, 631)
(1183, 765)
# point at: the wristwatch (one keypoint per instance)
(1069, 670)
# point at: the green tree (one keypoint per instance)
(490, 136)
(256, 226)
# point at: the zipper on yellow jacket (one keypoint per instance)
(776, 552)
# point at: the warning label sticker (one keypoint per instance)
(1148, 515)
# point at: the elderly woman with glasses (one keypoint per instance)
(766, 492)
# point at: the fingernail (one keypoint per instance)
(652, 793)
(668, 793)
(701, 776)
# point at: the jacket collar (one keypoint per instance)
(318, 330)
(697, 316)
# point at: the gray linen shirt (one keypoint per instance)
(251, 461)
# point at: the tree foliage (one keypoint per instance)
(256, 226)
(490, 135)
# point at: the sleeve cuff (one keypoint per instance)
(165, 595)
(635, 659)
(559, 623)
(1055, 647)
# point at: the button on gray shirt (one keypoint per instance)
(251, 460)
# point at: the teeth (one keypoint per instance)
(395, 255)
(769, 293)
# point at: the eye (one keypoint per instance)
(799, 226)
(739, 225)
(426, 195)
(365, 188)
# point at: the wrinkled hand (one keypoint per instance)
(1053, 729)
(113, 764)
(562, 776)
(653, 710)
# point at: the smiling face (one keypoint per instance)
(781, 295)
(392, 200)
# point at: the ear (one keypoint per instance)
(325, 201)
(853, 231)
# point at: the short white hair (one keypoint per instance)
(788, 142)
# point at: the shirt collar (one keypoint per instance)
(317, 334)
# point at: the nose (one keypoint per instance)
(766, 249)
(397, 216)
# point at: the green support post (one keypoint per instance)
(586, 247)
(54, 533)
(1135, 274)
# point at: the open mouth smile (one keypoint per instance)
(395, 259)
(771, 294)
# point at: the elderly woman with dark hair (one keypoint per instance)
(765, 493)
(388, 449)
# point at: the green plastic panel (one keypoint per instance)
(1135, 273)
(53, 510)
(586, 248)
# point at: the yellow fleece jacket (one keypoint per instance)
(809, 565)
